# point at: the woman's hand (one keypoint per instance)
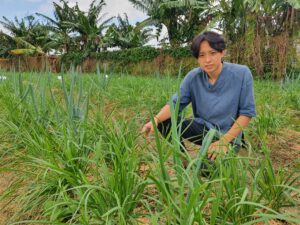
(148, 127)
(217, 148)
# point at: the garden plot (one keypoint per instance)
(75, 146)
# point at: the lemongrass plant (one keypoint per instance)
(275, 187)
(182, 196)
(58, 150)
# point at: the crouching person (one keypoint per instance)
(221, 95)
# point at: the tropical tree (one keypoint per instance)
(193, 17)
(6, 44)
(19, 28)
(182, 18)
(90, 26)
(26, 36)
(259, 32)
(125, 35)
(60, 38)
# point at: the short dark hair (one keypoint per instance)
(215, 41)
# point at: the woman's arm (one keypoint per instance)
(164, 114)
(221, 146)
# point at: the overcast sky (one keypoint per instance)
(22, 8)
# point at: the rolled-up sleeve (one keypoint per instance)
(247, 102)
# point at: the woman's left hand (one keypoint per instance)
(217, 148)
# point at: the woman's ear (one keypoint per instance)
(223, 52)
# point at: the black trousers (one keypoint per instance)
(194, 132)
(190, 130)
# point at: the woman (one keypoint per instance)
(221, 94)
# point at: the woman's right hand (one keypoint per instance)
(148, 127)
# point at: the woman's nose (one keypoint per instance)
(207, 58)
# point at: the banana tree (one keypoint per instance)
(256, 29)
(18, 28)
(25, 36)
(60, 38)
(125, 35)
(89, 25)
(181, 17)
(25, 48)
(6, 45)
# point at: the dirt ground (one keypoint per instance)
(285, 148)
(6, 209)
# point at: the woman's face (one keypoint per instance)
(209, 59)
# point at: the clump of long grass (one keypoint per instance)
(291, 87)
(58, 157)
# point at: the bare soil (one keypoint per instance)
(6, 209)
(285, 148)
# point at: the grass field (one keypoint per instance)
(72, 152)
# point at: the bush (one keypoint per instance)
(133, 55)
(126, 56)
